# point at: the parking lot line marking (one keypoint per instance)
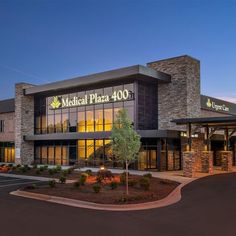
(9, 185)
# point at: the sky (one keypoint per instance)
(44, 41)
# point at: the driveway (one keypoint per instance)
(207, 208)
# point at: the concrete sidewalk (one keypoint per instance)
(171, 175)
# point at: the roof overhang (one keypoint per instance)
(139, 71)
(220, 122)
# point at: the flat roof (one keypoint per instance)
(98, 78)
(7, 105)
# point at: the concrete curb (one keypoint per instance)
(172, 198)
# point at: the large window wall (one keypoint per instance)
(89, 118)
(7, 152)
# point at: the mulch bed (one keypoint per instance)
(158, 190)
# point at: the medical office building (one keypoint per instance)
(69, 122)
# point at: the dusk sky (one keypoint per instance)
(45, 41)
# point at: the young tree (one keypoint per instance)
(125, 141)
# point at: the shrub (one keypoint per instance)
(10, 165)
(32, 186)
(27, 167)
(51, 171)
(113, 185)
(96, 188)
(132, 182)
(35, 166)
(58, 168)
(62, 179)
(41, 168)
(45, 167)
(144, 183)
(76, 184)
(83, 178)
(88, 172)
(148, 175)
(23, 169)
(37, 172)
(18, 166)
(104, 174)
(52, 183)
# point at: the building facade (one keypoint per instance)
(69, 122)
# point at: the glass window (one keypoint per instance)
(90, 121)
(73, 121)
(81, 121)
(58, 123)
(81, 149)
(44, 155)
(65, 122)
(98, 120)
(90, 149)
(44, 124)
(51, 124)
(108, 119)
(65, 156)
(51, 155)
(38, 124)
(58, 155)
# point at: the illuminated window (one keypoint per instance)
(81, 121)
(98, 120)
(89, 121)
(108, 119)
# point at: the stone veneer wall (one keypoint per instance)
(9, 128)
(24, 125)
(181, 97)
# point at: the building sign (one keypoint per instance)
(90, 99)
(17, 153)
(217, 105)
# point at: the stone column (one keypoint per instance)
(189, 164)
(226, 160)
(207, 162)
(24, 125)
(181, 97)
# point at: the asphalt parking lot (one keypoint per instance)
(6, 182)
(207, 208)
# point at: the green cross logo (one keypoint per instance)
(55, 103)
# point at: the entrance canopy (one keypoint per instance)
(210, 125)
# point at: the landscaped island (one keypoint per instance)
(102, 187)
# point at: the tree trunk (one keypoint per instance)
(127, 178)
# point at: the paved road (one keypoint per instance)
(208, 208)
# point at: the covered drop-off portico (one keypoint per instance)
(198, 155)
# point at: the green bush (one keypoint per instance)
(27, 167)
(41, 168)
(83, 178)
(23, 169)
(45, 167)
(51, 171)
(132, 182)
(113, 185)
(76, 184)
(62, 179)
(18, 166)
(144, 183)
(10, 165)
(52, 183)
(35, 166)
(148, 175)
(30, 187)
(104, 174)
(88, 172)
(58, 168)
(38, 172)
(96, 188)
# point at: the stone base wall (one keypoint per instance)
(226, 160)
(189, 164)
(207, 162)
(170, 158)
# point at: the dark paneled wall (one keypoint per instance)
(147, 106)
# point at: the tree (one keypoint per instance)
(125, 141)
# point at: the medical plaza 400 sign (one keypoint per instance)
(89, 99)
